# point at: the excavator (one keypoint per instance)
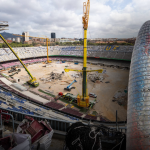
(32, 81)
(69, 87)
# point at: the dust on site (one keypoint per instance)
(109, 86)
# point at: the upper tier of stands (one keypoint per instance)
(110, 52)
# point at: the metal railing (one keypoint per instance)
(58, 125)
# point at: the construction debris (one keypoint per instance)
(52, 76)
(75, 75)
(96, 76)
(120, 97)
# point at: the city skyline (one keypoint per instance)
(108, 19)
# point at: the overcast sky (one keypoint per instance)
(108, 18)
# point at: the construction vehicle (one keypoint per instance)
(47, 42)
(17, 71)
(13, 69)
(92, 95)
(32, 81)
(83, 101)
(69, 87)
(60, 94)
(73, 99)
(70, 97)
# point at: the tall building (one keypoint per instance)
(13, 39)
(53, 35)
(17, 39)
(25, 36)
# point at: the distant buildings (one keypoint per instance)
(17, 39)
(53, 37)
(13, 39)
(25, 37)
(112, 40)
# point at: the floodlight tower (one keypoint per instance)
(3, 25)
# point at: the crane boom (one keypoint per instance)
(99, 70)
(47, 40)
(33, 79)
(86, 10)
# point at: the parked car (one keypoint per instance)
(92, 95)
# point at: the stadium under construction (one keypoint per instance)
(20, 99)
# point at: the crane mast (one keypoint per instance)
(84, 100)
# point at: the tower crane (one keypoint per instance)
(83, 101)
(47, 41)
(32, 81)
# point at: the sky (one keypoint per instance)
(107, 19)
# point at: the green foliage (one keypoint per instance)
(94, 113)
(15, 44)
(80, 43)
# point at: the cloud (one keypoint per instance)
(108, 18)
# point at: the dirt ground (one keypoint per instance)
(105, 91)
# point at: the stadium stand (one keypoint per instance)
(122, 52)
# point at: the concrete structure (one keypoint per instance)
(25, 36)
(138, 114)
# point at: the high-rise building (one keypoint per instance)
(53, 35)
(17, 39)
(25, 36)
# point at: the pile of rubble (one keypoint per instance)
(120, 97)
(95, 76)
(76, 75)
(52, 76)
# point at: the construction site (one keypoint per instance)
(79, 93)
(53, 79)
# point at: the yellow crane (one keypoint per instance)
(99, 70)
(47, 41)
(83, 101)
(32, 81)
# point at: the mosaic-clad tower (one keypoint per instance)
(138, 114)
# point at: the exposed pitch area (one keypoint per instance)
(105, 88)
